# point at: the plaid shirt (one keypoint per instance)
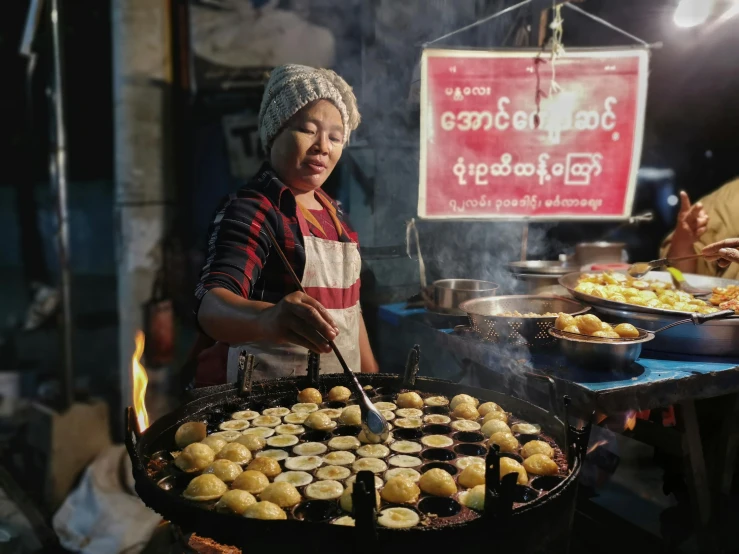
(238, 252)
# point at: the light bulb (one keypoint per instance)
(690, 13)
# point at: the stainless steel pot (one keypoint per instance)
(446, 295)
(587, 253)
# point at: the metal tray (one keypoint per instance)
(570, 282)
(542, 267)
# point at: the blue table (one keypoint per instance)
(652, 382)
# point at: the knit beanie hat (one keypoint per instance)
(292, 87)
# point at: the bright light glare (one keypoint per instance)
(690, 13)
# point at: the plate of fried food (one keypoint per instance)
(726, 298)
(656, 295)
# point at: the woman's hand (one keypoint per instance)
(692, 222)
(301, 320)
(725, 252)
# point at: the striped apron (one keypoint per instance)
(331, 276)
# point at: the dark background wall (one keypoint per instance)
(692, 119)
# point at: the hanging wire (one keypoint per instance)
(612, 26)
(478, 22)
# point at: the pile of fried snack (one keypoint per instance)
(726, 298)
(591, 326)
(618, 287)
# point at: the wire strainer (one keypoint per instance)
(486, 319)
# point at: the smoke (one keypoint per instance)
(379, 47)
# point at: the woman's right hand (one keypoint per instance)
(301, 320)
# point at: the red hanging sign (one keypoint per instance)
(500, 141)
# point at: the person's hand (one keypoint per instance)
(301, 320)
(725, 252)
(692, 222)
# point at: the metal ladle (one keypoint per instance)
(374, 425)
(640, 269)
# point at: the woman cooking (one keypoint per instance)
(246, 297)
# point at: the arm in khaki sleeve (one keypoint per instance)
(367, 358)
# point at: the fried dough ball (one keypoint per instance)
(346, 498)
(563, 321)
(409, 400)
(190, 432)
(195, 457)
(236, 452)
(253, 442)
(627, 331)
(509, 465)
(495, 426)
(574, 329)
(265, 510)
(588, 324)
(539, 464)
(351, 415)
(310, 395)
(487, 407)
(251, 481)
(268, 466)
(319, 421)
(282, 493)
(474, 498)
(606, 335)
(537, 447)
(506, 441)
(437, 482)
(215, 443)
(500, 416)
(205, 487)
(235, 501)
(339, 394)
(464, 399)
(225, 470)
(466, 411)
(472, 476)
(400, 490)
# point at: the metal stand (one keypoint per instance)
(58, 171)
(412, 367)
(364, 507)
(314, 369)
(246, 370)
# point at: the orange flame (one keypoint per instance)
(596, 446)
(140, 380)
(630, 422)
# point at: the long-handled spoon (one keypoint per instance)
(640, 269)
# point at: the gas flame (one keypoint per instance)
(597, 445)
(630, 422)
(140, 380)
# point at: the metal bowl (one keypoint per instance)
(448, 294)
(486, 321)
(601, 354)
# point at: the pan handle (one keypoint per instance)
(698, 319)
